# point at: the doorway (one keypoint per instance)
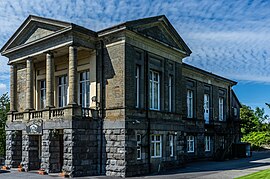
(34, 152)
(57, 151)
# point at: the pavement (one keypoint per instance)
(197, 170)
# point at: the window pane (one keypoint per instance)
(152, 149)
(151, 95)
(138, 138)
(158, 149)
(156, 96)
(87, 94)
(84, 98)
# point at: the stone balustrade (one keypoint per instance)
(18, 116)
(58, 112)
(53, 113)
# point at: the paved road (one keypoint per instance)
(199, 170)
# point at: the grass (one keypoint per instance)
(264, 174)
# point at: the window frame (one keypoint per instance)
(206, 104)
(137, 79)
(154, 144)
(207, 142)
(189, 140)
(153, 82)
(170, 93)
(139, 147)
(42, 91)
(190, 103)
(221, 108)
(84, 82)
(171, 144)
(65, 90)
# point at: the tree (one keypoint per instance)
(255, 126)
(249, 121)
(4, 109)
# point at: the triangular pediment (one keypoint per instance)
(33, 29)
(159, 29)
(38, 33)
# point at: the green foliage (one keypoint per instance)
(257, 139)
(249, 121)
(255, 126)
(257, 175)
(4, 109)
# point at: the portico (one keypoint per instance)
(52, 80)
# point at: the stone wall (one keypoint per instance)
(50, 158)
(81, 149)
(115, 152)
(25, 151)
(13, 148)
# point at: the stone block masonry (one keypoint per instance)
(13, 148)
(115, 152)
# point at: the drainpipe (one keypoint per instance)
(102, 102)
(146, 70)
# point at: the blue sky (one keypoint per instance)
(227, 37)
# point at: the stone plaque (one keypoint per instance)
(34, 127)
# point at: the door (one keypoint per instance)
(206, 108)
(34, 152)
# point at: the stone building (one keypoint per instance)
(118, 101)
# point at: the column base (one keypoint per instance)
(73, 105)
(29, 109)
(49, 107)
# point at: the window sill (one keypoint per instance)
(152, 109)
(155, 157)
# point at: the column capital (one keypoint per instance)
(74, 45)
(13, 65)
(49, 53)
(29, 59)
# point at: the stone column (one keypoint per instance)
(13, 87)
(29, 84)
(49, 80)
(72, 75)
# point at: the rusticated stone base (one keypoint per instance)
(13, 148)
(115, 152)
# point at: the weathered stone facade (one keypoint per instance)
(128, 116)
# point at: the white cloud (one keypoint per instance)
(230, 38)
(3, 88)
